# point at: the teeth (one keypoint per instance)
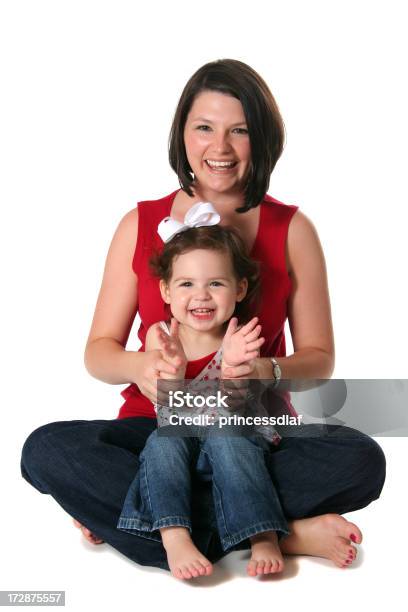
(202, 310)
(219, 163)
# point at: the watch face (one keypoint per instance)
(277, 371)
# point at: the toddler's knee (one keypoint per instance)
(165, 445)
(230, 445)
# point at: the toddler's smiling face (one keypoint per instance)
(203, 290)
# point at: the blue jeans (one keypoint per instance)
(245, 499)
(88, 466)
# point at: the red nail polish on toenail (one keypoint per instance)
(353, 537)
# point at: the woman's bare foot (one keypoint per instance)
(326, 536)
(184, 559)
(93, 539)
(266, 557)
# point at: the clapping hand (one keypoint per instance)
(241, 344)
(240, 349)
(173, 351)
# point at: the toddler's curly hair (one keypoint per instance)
(214, 238)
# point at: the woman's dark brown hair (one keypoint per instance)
(214, 238)
(265, 124)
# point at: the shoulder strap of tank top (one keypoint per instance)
(271, 239)
(165, 327)
(151, 212)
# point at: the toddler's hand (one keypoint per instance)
(173, 351)
(241, 345)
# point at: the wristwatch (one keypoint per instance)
(277, 372)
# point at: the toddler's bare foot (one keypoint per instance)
(266, 557)
(326, 536)
(92, 538)
(184, 559)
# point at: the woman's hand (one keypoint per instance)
(173, 351)
(240, 345)
(154, 366)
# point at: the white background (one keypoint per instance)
(88, 94)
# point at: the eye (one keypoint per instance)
(203, 128)
(216, 284)
(186, 284)
(241, 130)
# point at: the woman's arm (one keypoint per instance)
(309, 312)
(116, 307)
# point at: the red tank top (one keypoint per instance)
(268, 250)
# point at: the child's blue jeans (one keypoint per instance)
(245, 498)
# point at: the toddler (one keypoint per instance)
(209, 282)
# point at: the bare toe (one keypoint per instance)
(251, 567)
(91, 537)
(177, 573)
(193, 570)
(205, 567)
(355, 534)
(349, 556)
(186, 572)
(260, 568)
(338, 559)
(200, 568)
(268, 567)
(208, 569)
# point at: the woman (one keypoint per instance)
(226, 138)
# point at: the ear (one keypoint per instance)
(164, 290)
(242, 288)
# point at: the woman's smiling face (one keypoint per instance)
(216, 131)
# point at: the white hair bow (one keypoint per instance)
(199, 215)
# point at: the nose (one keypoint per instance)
(221, 142)
(202, 294)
